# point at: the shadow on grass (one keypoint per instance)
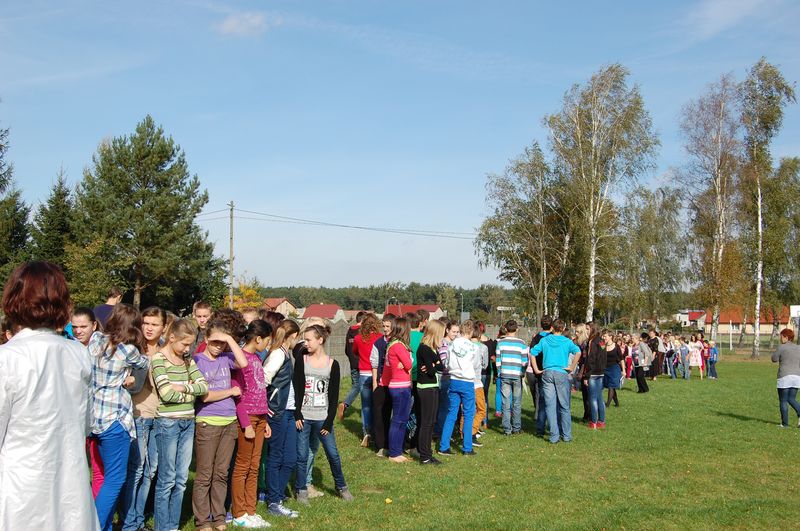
(736, 416)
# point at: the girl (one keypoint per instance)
(316, 391)
(252, 411)
(683, 353)
(143, 459)
(114, 354)
(615, 356)
(382, 418)
(177, 382)
(695, 355)
(397, 378)
(368, 333)
(594, 372)
(428, 364)
(282, 457)
(215, 427)
(640, 353)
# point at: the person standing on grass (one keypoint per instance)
(397, 378)
(381, 404)
(512, 359)
(215, 426)
(696, 355)
(316, 392)
(452, 331)
(178, 382)
(114, 354)
(683, 358)
(429, 365)
(355, 379)
(640, 353)
(368, 333)
(596, 362)
(713, 358)
(481, 362)
(486, 372)
(788, 359)
(535, 380)
(498, 384)
(556, 351)
(461, 366)
(614, 365)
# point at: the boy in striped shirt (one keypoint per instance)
(512, 359)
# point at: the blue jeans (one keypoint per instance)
(712, 369)
(596, 404)
(671, 367)
(788, 396)
(142, 464)
(365, 382)
(555, 385)
(401, 409)
(282, 455)
(114, 444)
(461, 394)
(498, 396)
(310, 432)
(444, 405)
(175, 438)
(541, 408)
(355, 389)
(512, 404)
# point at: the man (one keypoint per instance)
(556, 349)
(512, 359)
(535, 380)
(201, 312)
(355, 388)
(103, 311)
(84, 324)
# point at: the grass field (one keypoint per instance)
(689, 454)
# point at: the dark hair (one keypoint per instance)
(369, 325)
(412, 318)
(401, 331)
(85, 311)
(644, 335)
(559, 326)
(155, 311)
(321, 331)
(360, 316)
(593, 330)
(501, 332)
(388, 318)
(114, 292)
(274, 319)
(546, 322)
(423, 314)
(229, 321)
(511, 326)
(36, 296)
(389, 315)
(124, 326)
(257, 328)
(788, 334)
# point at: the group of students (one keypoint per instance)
(238, 391)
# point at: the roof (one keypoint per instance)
(694, 316)
(400, 309)
(274, 302)
(326, 311)
(735, 314)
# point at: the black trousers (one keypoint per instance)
(640, 381)
(428, 406)
(381, 416)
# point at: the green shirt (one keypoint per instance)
(171, 403)
(416, 339)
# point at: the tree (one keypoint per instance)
(247, 294)
(601, 137)
(447, 299)
(14, 232)
(140, 198)
(710, 127)
(51, 230)
(6, 168)
(763, 95)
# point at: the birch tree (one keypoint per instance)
(601, 138)
(763, 94)
(710, 126)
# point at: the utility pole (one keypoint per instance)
(230, 261)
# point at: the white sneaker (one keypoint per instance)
(258, 520)
(245, 521)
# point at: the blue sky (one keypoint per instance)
(371, 113)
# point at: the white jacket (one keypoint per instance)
(461, 359)
(45, 416)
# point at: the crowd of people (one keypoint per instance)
(252, 395)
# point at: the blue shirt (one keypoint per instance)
(556, 350)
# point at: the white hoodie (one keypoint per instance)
(461, 359)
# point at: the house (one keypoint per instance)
(350, 315)
(280, 305)
(400, 309)
(731, 320)
(331, 312)
(693, 319)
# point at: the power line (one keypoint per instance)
(212, 212)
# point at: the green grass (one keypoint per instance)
(696, 454)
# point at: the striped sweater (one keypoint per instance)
(512, 357)
(171, 403)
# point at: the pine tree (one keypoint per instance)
(14, 232)
(51, 229)
(6, 169)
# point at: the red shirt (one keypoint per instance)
(362, 348)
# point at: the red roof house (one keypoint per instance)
(400, 309)
(332, 312)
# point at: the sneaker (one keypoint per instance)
(302, 497)
(258, 521)
(471, 452)
(382, 453)
(601, 425)
(228, 518)
(592, 426)
(345, 495)
(313, 492)
(477, 443)
(244, 521)
(478, 435)
(365, 441)
(431, 461)
(340, 411)
(279, 509)
(481, 432)
(445, 452)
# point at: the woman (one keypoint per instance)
(641, 355)
(587, 339)
(696, 355)
(45, 408)
(788, 359)
(615, 363)
(397, 377)
(368, 333)
(594, 372)
(428, 364)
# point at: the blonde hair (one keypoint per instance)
(434, 334)
(284, 330)
(581, 333)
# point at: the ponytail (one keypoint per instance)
(284, 330)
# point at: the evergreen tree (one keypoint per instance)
(14, 232)
(51, 225)
(6, 169)
(140, 198)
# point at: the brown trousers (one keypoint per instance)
(244, 484)
(213, 449)
(480, 413)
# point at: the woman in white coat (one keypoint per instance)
(45, 408)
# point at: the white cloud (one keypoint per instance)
(712, 17)
(246, 24)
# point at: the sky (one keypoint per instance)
(371, 113)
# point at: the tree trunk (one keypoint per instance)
(742, 330)
(592, 273)
(562, 265)
(759, 273)
(137, 289)
(715, 321)
(774, 333)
